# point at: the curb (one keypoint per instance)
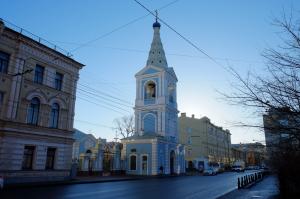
(73, 182)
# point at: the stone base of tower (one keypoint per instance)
(152, 155)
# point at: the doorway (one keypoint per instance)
(172, 162)
(144, 165)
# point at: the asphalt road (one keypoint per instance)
(186, 187)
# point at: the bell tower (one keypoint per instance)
(156, 99)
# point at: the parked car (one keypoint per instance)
(209, 171)
(1, 182)
(237, 168)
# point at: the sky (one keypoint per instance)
(112, 38)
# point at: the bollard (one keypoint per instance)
(239, 185)
(255, 176)
(242, 182)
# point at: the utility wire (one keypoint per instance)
(119, 28)
(183, 37)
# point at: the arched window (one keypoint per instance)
(54, 116)
(33, 111)
(150, 90)
(132, 165)
(149, 123)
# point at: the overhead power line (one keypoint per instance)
(120, 27)
(183, 37)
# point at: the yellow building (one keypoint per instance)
(206, 143)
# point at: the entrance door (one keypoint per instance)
(172, 162)
(144, 165)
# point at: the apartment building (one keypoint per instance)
(37, 98)
(206, 143)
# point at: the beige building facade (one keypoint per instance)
(206, 144)
(37, 99)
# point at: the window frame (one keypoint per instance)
(58, 81)
(50, 164)
(33, 111)
(4, 62)
(130, 156)
(146, 85)
(28, 158)
(39, 74)
(54, 116)
(1, 98)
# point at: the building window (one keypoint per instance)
(1, 98)
(133, 162)
(33, 111)
(38, 75)
(54, 115)
(28, 157)
(50, 158)
(150, 90)
(58, 81)
(4, 58)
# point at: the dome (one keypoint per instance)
(156, 25)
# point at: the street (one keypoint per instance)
(187, 187)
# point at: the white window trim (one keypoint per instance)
(156, 89)
(141, 165)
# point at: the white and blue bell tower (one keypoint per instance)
(154, 148)
(156, 106)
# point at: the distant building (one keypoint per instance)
(154, 149)
(95, 156)
(91, 159)
(281, 128)
(205, 142)
(253, 154)
(37, 89)
(237, 154)
(82, 143)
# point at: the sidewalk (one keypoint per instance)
(77, 180)
(266, 189)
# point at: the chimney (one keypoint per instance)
(193, 116)
(183, 114)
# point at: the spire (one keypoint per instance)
(157, 54)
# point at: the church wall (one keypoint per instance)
(141, 149)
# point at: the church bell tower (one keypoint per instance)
(156, 99)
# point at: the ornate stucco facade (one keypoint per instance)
(154, 148)
(205, 142)
(38, 88)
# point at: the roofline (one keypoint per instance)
(45, 46)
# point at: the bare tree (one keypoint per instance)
(124, 126)
(277, 93)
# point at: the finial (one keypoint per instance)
(156, 24)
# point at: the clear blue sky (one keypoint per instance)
(235, 30)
